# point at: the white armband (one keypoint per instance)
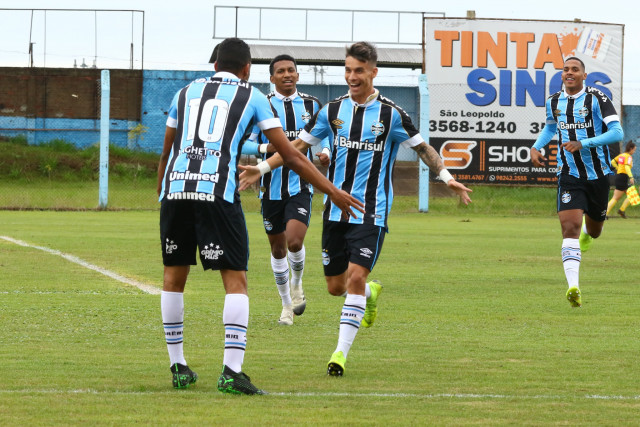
(445, 176)
(326, 151)
(262, 148)
(264, 168)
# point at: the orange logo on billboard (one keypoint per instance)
(457, 154)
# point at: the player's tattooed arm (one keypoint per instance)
(429, 156)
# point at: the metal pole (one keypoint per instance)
(423, 183)
(105, 89)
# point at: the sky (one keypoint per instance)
(179, 35)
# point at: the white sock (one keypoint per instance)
(280, 269)
(584, 228)
(296, 260)
(367, 290)
(571, 256)
(172, 308)
(235, 317)
(350, 319)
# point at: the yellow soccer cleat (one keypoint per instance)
(573, 296)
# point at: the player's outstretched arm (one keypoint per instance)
(431, 158)
(298, 162)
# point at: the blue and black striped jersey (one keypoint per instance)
(365, 138)
(295, 112)
(211, 117)
(578, 117)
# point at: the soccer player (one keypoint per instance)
(622, 164)
(200, 202)
(366, 129)
(585, 121)
(286, 198)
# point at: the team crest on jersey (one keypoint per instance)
(306, 117)
(583, 112)
(566, 197)
(337, 123)
(377, 128)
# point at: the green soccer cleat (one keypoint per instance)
(183, 377)
(371, 311)
(236, 383)
(573, 296)
(335, 367)
(584, 239)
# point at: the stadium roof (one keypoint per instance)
(323, 55)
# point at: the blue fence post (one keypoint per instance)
(105, 93)
(423, 183)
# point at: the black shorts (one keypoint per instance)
(343, 243)
(592, 196)
(276, 213)
(217, 229)
(622, 181)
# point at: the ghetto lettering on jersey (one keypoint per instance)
(200, 153)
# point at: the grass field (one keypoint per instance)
(473, 329)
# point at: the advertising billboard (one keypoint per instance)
(488, 81)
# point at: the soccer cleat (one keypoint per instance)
(573, 296)
(183, 377)
(236, 383)
(371, 311)
(335, 367)
(298, 299)
(584, 239)
(286, 317)
(622, 214)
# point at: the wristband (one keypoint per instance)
(262, 148)
(326, 151)
(264, 168)
(445, 176)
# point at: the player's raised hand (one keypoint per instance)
(346, 202)
(460, 190)
(537, 158)
(572, 146)
(250, 175)
(324, 159)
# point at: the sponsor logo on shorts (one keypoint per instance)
(170, 246)
(325, 258)
(191, 196)
(302, 211)
(566, 197)
(366, 252)
(267, 225)
(212, 251)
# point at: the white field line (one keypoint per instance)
(460, 396)
(142, 286)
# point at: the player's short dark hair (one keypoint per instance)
(363, 51)
(232, 55)
(630, 146)
(214, 54)
(283, 57)
(575, 58)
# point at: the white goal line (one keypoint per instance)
(149, 289)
